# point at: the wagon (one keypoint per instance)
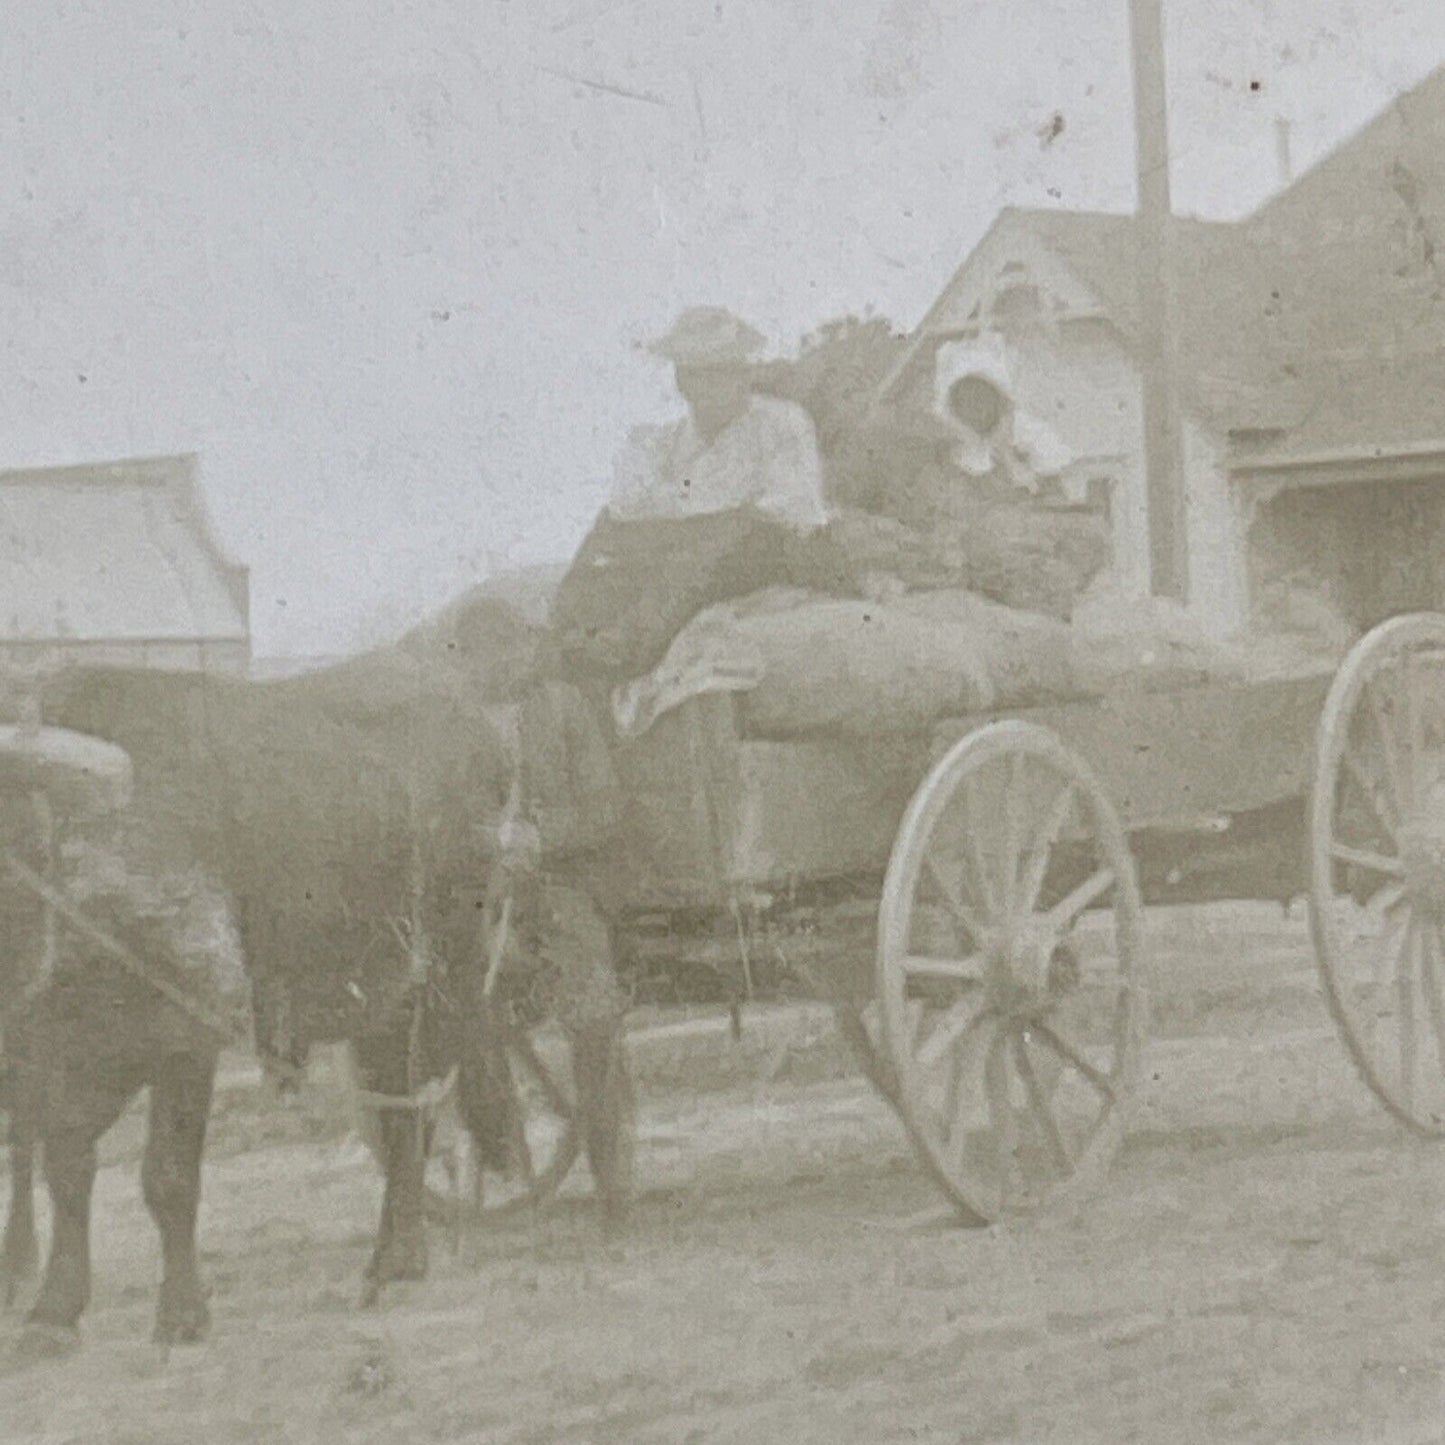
(1003, 999)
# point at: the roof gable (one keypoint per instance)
(114, 552)
(1332, 291)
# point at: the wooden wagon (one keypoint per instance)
(1003, 1008)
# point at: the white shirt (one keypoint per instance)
(767, 458)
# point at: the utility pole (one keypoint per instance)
(1158, 335)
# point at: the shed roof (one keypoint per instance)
(115, 552)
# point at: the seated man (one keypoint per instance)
(703, 509)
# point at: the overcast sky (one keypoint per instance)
(383, 265)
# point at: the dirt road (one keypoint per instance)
(1267, 1263)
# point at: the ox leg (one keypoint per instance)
(171, 1182)
(401, 1247)
(76, 1113)
(605, 1105)
(591, 1007)
(19, 1254)
(383, 1063)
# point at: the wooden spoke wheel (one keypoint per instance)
(1377, 864)
(1011, 1005)
(543, 1135)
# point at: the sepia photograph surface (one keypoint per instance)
(722, 721)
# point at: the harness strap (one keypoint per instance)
(128, 959)
(427, 1098)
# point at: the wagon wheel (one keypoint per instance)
(544, 1137)
(1007, 972)
(1377, 864)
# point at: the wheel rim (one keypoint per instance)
(1377, 864)
(544, 1140)
(1011, 1004)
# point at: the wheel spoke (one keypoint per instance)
(522, 1148)
(953, 1132)
(973, 855)
(1000, 1111)
(1388, 743)
(1414, 742)
(1387, 900)
(956, 970)
(552, 1091)
(1012, 835)
(952, 1032)
(1040, 1104)
(1064, 912)
(953, 898)
(1036, 866)
(1367, 859)
(1377, 799)
(1405, 996)
(1071, 1055)
(1430, 985)
(915, 1017)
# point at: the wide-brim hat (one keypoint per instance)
(708, 336)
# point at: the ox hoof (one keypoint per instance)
(39, 1342)
(615, 1219)
(186, 1324)
(399, 1259)
(392, 1266)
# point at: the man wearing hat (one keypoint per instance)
(734, 448)
(706, 508)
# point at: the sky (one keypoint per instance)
(385, 267)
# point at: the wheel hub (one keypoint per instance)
(1422, 852)
(1029, 970)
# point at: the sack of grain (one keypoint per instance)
(1123, 643)
(863, 669)
(1028, 657)
(635, 583)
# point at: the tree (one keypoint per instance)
(835, 377)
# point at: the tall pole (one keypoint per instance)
(1163, 434)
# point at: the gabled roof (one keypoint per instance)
(1220, 373)
(1323, 314)
(116, 552)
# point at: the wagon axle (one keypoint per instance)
(1422, 854)
(1028, 971)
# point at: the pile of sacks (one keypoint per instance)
(868, 627)
(804, 663)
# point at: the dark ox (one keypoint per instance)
(116, 977)
(345, 814)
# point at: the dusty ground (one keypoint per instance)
(1267, 1263)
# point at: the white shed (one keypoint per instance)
(116, 563)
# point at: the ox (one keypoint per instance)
(121, 974)
(350, 815)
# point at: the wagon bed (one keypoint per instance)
(1008, 1000)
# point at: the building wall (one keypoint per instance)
(225, 655)
(1218, 585)
(1375, 548)
(1077, 377)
